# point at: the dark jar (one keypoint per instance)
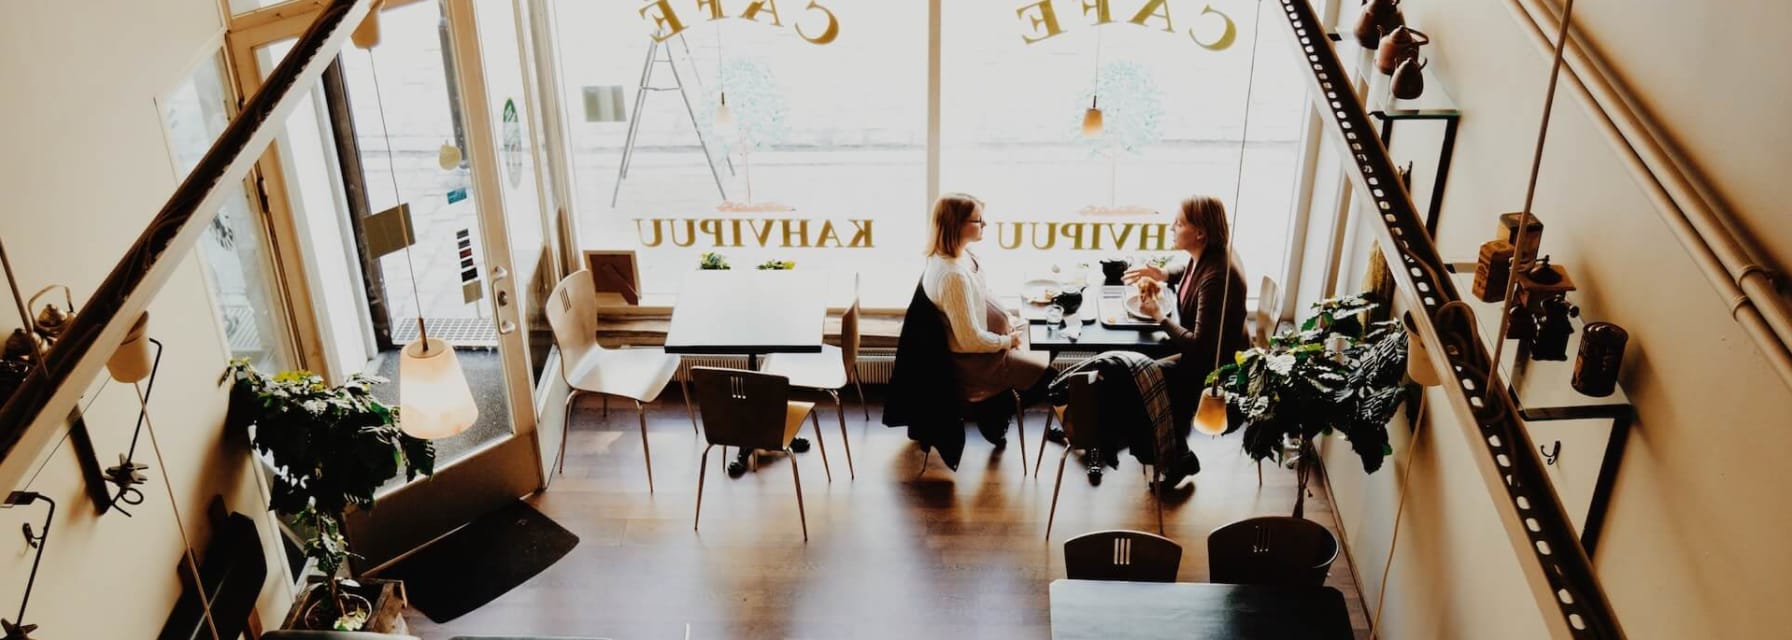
(1601, 353)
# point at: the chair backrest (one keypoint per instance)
(742, 408)
(1272, 550)
(572, 314)
(1122, 555)
(1269, 310)
(849, 329)
(1081, 416)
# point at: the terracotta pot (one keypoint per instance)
(1409, 78)
(1400, 44)
(1379, 17)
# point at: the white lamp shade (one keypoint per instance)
(1210, 418)
(724, 116)
(1418, 359)
(132, 361)
(434, 400)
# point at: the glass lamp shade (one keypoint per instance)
(1092, 122)
(132, 362)
(1210, 418)
(433, 397)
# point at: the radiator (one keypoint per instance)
(874, 366)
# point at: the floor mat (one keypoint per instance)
(481, 561)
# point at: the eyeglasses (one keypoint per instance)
(980, 222)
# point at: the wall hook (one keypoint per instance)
(1552, 453)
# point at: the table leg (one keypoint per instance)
(796, 444)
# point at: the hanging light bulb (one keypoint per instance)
(1092, 119)
(724, 115)
(434, 400)
(1210, 418)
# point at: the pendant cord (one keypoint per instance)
(1244, 137)
(186, 544)
(1412, 449)
(1530, 193)
(1095, 90)
(404, 223)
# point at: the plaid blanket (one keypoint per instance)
(1147, 376)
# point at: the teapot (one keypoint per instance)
(1113, 270)
(1409, 79)
(1400, 44)
(1379, 17)
(1069, 300)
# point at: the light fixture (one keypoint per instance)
(724, 116)
(434, 400)
(19, 630)
(1092, 119)
(1210, 418)
(1419, 366)
(131, 362)
(367, 34)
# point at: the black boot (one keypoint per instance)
(1176, 471)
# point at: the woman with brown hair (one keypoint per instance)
(988, 348)
(1210, 297)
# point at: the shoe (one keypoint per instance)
(1181, 469)
(1095, 474)
(1056, 435)
(995, 431)
(799, 445)
(736, 469)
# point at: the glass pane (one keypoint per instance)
(234, 249)
(1171, 86)
(824, 164)
(513, 122)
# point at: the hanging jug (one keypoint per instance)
(1409, 78)
(1379, 18)
(1397, 45)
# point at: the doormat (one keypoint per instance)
(481, 561)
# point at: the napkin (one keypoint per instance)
(1074, 331)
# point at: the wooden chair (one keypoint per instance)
(1079, 418)
(753, 411)
(1271, 550)
(1268, 313)
(587, 367)
(830, 370)
(1122, 555)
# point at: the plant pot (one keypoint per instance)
(384, 600)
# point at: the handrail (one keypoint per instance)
(52, 390)
(1560, 574)
(1685, 200)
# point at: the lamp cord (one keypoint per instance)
(1412, 450)
(1244, 137)
(404, 223)
(186, 544)
(1530, 193)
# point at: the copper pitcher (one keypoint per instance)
(1400, 44)
(1409, 78)
(1378, 18)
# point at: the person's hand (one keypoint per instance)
(1019, 338)
(1144, 271)
(1150, 307)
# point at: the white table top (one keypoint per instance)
(749, 312)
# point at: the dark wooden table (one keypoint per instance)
(1110, 610)
(1097, 336)
(749, 313)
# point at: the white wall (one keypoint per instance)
(1694, 538)
(87, 167)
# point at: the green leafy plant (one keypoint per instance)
(712, 261)
(1334, 375)
(777, 265)
(331, 448)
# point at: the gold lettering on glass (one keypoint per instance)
(1046, 22)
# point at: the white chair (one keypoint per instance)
(1268, 313)
(830, 370)
(752, 411)
(635, 374)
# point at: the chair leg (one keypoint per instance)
(1040, 459)
(702, 470)
(684, 387)
(925, 454)
(565, 431)
(1158, 497)
(815, 419)
(641, 412)
(861, 387)
(606, 407)
(1056, 487)
(840, 410)
(798, 477)
(1020, 431)
(1259, 474)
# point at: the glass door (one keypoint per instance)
(412, 122)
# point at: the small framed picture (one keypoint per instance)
(615, 271)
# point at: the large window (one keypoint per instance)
(826, 161)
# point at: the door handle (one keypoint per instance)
(501, 299)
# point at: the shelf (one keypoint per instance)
(1542, 387)
(1359, 64)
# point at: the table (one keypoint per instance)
(1113, 610)
(1096, 336)
(749, 313)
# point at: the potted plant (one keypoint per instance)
(777, 265)
(330, 448)
(1335, 374)
(712, 261)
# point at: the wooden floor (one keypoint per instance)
(949, 555)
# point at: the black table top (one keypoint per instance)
(1112, 610)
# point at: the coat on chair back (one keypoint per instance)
(923, 393)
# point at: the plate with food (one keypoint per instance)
(1146, 289)
(1040, 291)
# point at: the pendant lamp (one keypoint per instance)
(1419, 366)
(367, 34)
(1092, 119)
(724, 115)
(1210, 418)
(434, 400)
(132, 361)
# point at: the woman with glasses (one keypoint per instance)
(988, 348)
